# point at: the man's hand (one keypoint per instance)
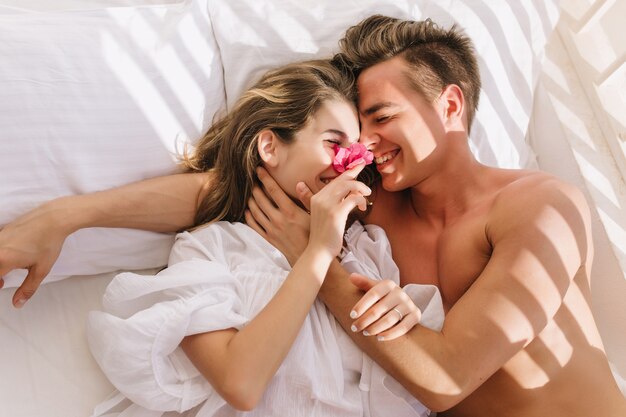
(277, 218)
(33, 242)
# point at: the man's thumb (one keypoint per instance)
(362, 282)
(304, 194)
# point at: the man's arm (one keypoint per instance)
(540, 240)
(34, 240)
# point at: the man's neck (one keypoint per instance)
(458, 182)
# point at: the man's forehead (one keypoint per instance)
(377, 84)
(388, 70)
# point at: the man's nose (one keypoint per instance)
(368, 138)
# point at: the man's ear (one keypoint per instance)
(452, 104)
(267, 145)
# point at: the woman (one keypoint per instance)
(253, 338)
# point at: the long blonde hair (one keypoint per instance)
(283, 100)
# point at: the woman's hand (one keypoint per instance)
(277, 218)
(284, 224)
(330, 208)
(385, 311)
(32, 241)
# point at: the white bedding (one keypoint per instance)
(46, 367)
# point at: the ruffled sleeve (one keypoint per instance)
(135, 340)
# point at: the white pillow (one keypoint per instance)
(97, 98)
(255, 35)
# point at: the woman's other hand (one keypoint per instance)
(385, 311)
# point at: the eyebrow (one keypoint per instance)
(339, 133)
(373, 109)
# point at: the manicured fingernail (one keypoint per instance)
(19, 303)
(353, 328)
(366, 333)
(380, 338)
(353, 314)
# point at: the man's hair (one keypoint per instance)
(284, 100)
(436, 56)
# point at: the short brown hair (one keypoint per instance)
(438, 57)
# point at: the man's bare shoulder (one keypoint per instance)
(535, 200)
(523, 190)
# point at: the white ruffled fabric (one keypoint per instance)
(220, 277)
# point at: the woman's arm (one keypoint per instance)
(240, 364)
(34, 240)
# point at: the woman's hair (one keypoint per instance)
(283, 101)
(437, 57)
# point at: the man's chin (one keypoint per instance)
(391, 184)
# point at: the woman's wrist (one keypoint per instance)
(319, 259)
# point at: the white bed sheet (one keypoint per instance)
(47, 369)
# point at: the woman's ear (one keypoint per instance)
(267, 145)
(452, 104)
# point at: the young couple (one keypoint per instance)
(509, 250)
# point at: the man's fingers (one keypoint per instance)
(1, 283)
(250, 221)
(304, 194)
(258, 213)
(272, 189)
(28, 287)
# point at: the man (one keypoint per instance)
(509, 250)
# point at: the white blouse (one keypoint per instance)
(220, 277)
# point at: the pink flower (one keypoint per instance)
(348, 158)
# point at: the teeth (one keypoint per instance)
(385, 158)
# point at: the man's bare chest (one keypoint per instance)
(450, 258)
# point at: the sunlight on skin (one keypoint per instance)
(582, 305)
(524, 361)
(558, 340)
(511, 308)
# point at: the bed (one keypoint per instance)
(95, 94)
